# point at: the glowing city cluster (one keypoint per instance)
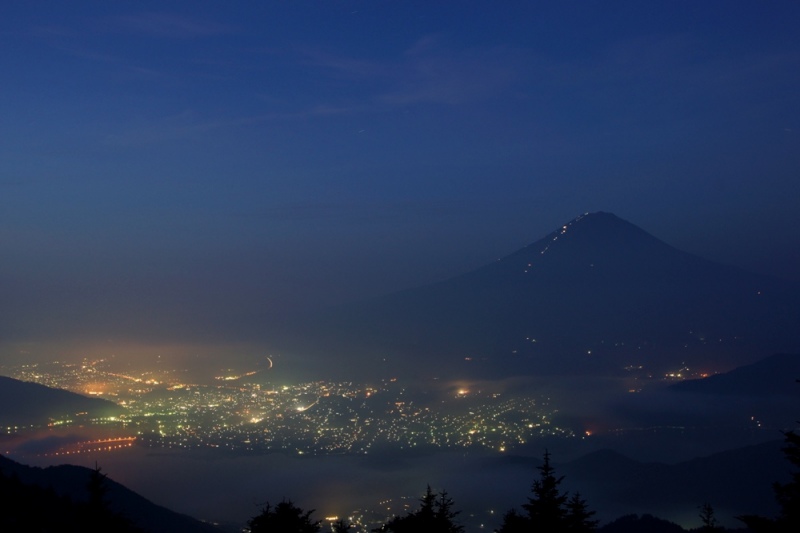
(246, 414)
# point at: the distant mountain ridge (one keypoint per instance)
(596, 295)
(26, 403)
(737, 481)
(774, 375)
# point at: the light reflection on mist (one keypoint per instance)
(221, 486)
(232, 489)
(56, 445)
(43, 445)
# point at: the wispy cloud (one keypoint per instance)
(429, 71)
(360, 211)
(170, 25)
(70, 41)
(432, 75)
(189, 123)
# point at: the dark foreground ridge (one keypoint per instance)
(68, 487)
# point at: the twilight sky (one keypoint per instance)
(180, 172)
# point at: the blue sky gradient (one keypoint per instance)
(183, 171)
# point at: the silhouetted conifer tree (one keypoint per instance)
(579, 517)
(444, 515)
(787, 495)
(284, 518)
(708, 520)
(548, 509)
(97, 489)
(435, 515)
(99, 516)
(513, 522)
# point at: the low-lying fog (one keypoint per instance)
(656, 425)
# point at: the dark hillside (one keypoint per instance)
(776, 375)
(25, 403)
(71, 481)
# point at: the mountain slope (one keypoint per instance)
(772, 376)
(72, 481)
(26, 403)
(595, 295)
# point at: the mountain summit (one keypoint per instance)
(596, 295)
